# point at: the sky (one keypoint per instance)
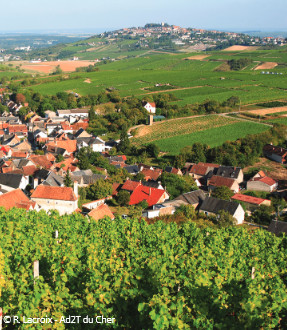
(98, 15)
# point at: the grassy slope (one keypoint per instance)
(131, 76)
(212, 136)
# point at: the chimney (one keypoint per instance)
(149, 191)
(76, 188)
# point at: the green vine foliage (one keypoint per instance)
(160, 276)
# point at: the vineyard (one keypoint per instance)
(214, 130)
(180, 126)
(194, 80)
(160, 276)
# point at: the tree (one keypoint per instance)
(222, 192)
(187, 211)
(57, 70)
(59, 158)
(123, 197)
(92, 114)
(20, 98)
(225, 219)
(153, 150)
(124, 144)
(262, 215)
(176, 185)
(68, 182)
(100, 189)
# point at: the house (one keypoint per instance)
(173, 170)
(74, 113)
(47, 178)
(261, 182)
(278, 154)
(211, 206)
(16, 198)
(62, 199)
(70, 146)
(230, 172)
(81, 133)
(194, 198)
(218, 181)
(277, 227)
(41, 161)
(251, 203)
(201, 170)
(11, 181)
(151, 195)
(151, 174)
(86, 177)
(132, 169)
(10, 140)
(149, 106)
(96, 144)
(19, 130)
(101, 212)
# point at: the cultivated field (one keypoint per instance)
(48, 67)
(239, 48)
(194, 80)
(267, 111)
(266, 66)
(212, 137)
(197, 57)
(172, 135)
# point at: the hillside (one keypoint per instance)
(144, 276)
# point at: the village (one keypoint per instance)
(41, 169)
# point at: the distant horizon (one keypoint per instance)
(98, 30)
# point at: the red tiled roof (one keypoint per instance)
(249, 199)
(100, 212)
(130, 185)
(29, 170)
(19, 154)
(17, 128)
(151, 174)
(198, 169)
(270, 149)
(68, 163)
(218, 181)
(58, 193)
(115, 188)
(7, 169)
(77, 126)
(13, 198)
(267, 180)
(69, 145)
(41, 160)
(151, 195)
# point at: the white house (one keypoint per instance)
(62, 199)
(149, 106)
(211, 206)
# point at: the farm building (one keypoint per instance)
(277, 154)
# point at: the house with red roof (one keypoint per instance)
(16, 198)
(62, 199)
(101, 212)
(278, 154)
(261, 182)
(151, 195)
(20, 130)
(149, 106)
(251, 203)
(151, 174)
(218, 181)
(200, 170)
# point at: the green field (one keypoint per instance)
(282, 120)
(193, 80)
(212, 136)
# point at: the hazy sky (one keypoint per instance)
(23, 15)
